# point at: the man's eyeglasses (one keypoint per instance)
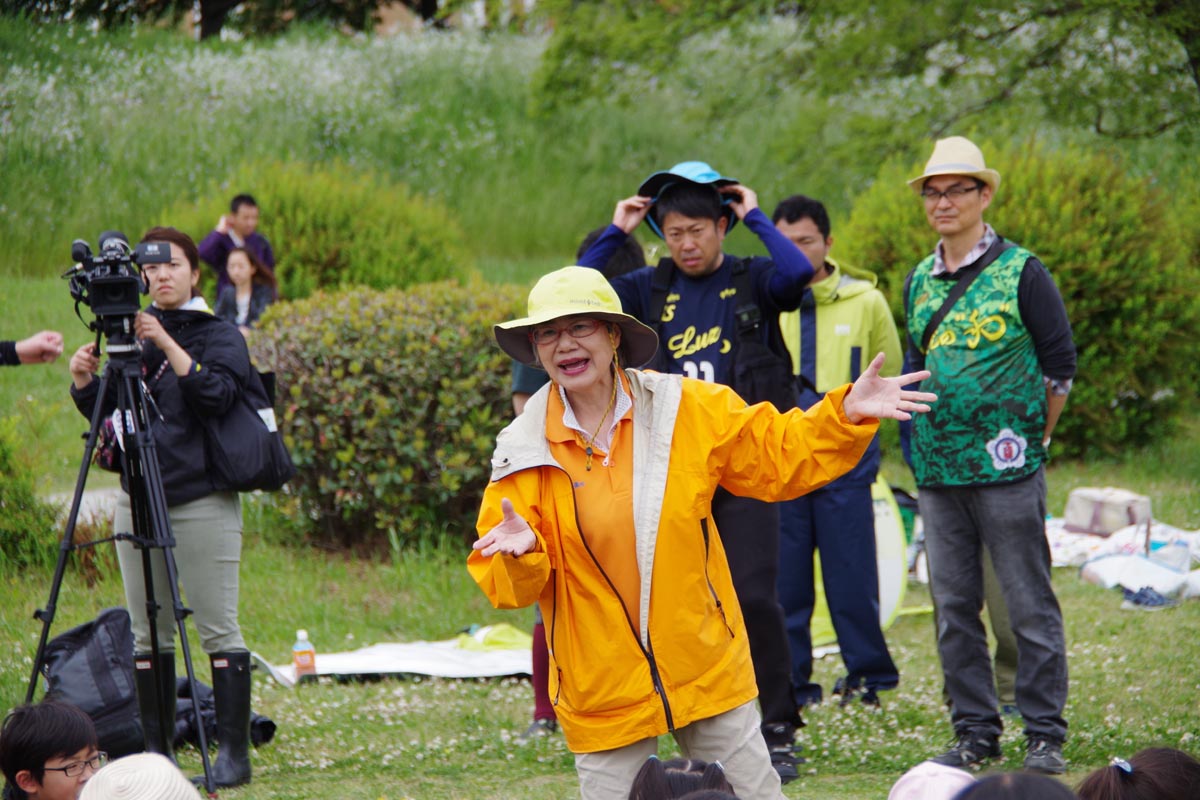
(76, 769)
(578, 329)
(953, 194)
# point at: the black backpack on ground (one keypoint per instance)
(91, 667)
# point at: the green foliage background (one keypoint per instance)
(1127, 68)
(28, 529)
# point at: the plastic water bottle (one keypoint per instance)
(304, 658)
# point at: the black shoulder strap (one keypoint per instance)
(747, 311)
(960, 288)
(659, 288)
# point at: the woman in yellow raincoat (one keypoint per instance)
(599, 509)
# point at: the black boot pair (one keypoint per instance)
(231, 696)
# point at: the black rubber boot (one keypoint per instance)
(157, 711)
(231, 695)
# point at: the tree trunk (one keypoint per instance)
(212, 16)
(427, 10)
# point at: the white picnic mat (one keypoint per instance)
(491, 651)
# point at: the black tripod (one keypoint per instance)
(151, 523)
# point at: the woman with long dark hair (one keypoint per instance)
(251, 289)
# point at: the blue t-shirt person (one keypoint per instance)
(698, 328)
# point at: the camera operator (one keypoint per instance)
(43, 347)
(194, 365)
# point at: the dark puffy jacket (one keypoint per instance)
(220, 371)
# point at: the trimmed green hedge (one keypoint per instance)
(390, 403)
(333, 226)
(1123, 254)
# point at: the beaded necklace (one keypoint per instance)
(591, 440)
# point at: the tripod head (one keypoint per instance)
(123, 348)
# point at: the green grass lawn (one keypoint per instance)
(1133, 684)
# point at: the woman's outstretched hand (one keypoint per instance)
(512, 536)
(883, 398)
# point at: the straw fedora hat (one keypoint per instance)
(575, 291)
(956, 155)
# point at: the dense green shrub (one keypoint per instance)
(390, 402)
(332, 226)
(28, 527)
(1122, 252)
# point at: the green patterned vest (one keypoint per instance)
(987, 424)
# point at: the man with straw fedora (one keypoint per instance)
(985, 317)
(600, 509)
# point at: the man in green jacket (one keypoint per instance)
(842, 323)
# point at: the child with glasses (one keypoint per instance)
(48, 751)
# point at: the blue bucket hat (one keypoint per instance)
(694, 172)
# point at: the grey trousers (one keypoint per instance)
(208, 551)
(1008, 520)
(1004, 661)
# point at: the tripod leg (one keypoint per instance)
(46, 615)
(231, 693)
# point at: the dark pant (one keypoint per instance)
(838, 521)
(750, 534)
(1004, 660)
(1009, 520)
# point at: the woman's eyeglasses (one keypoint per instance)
(578, 329)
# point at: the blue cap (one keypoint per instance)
(696, 172)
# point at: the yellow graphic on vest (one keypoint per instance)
(992, 328)
(690, 342)
(727, 293)
(669, 308)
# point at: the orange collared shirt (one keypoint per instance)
(603, 496)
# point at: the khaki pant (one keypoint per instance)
(732, 738)
(208, 551)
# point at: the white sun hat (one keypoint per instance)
(144, 776)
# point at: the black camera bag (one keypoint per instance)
(242, 450)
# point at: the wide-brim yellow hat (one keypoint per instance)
(575, 291)
(956, 155)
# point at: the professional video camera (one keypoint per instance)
(110, 283)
